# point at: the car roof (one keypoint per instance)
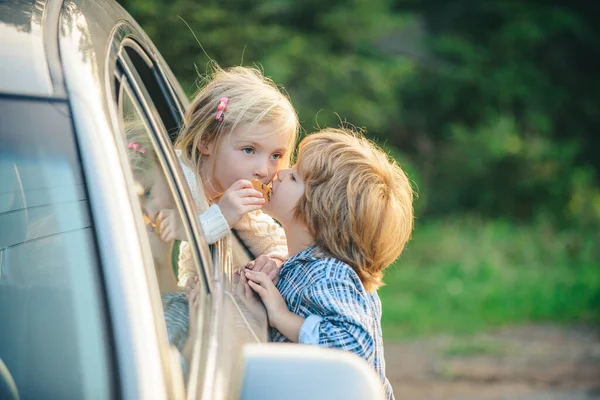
(28, 48)
(30, 36)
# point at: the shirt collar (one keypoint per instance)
(307, 254)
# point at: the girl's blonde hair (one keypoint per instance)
(253, 99)
(357, 202)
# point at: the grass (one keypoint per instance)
(470, 347)
(465, 275)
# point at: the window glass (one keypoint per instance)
(52, 327)
(166, 229)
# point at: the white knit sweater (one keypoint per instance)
(259, 232)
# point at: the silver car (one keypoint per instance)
(84, 276)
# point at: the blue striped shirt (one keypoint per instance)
(177, 314)
(339, 312)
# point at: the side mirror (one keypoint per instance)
(302, 372)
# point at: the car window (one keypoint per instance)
(162, 95)
(250, 318)
(52, 311)
(165, 228)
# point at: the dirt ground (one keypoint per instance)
(540, 362)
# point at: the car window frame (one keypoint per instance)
(222, 265)
(200, 248)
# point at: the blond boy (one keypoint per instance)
(346, 209)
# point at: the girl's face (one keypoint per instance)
(247, 153)
(288, 189)
(156, 194)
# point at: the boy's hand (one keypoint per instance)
(240, 199)
(170, 224)
(267, 265)
(270, 296)
(245, 293)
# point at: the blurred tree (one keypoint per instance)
(494, 103)
(508, 106)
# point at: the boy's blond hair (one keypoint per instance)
(253, 99)
(357, 201)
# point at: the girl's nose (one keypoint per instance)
(261, 170)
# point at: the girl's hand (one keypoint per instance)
(170, 224)
(240, 199)
(267, 265)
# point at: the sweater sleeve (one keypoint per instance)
(262, 235)
(186, 266)
(214, 224)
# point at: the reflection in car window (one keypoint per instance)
(52, 328)
(164, 227)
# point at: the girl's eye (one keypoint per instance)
(148, 193)
(248, 150)
(276, 156)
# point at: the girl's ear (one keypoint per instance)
(206, 149)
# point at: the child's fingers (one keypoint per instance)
(247, 201)
(193, 294)
(249, 192)
(257, 288)
(241, 184)
(190, 284)
(258, 277)
(247, 290)
(170, 237)
(273, 275)
(166, 233)
(162, 215)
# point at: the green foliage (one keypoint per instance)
(460, 275)
(492, 109)
(507, 106)
(494, 103)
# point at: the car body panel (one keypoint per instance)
(21, 36)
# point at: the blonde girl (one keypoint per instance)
(155, 200)
(239, 127)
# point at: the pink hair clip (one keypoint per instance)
(221, 107)
(136, 147)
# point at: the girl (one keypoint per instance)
(155, 200)
(239, 127)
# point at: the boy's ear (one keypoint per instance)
(206, 149)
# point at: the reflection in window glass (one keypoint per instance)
(53, 334)
(164, 227)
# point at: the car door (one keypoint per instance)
(140, 78)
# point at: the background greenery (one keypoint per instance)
(493, 109)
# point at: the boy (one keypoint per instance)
(346, 209)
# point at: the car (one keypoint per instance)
(84, 276)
